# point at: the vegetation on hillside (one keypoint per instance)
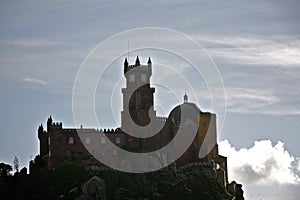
(164, 184)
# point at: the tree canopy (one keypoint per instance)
(5, 169)
(159, 185)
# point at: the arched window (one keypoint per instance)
(71, 140)
(118, 140)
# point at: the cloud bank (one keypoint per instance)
(263, 163)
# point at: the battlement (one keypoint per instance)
(57, 124)
(128, 67)
(90, 130)
(161, 119)
(133, 66)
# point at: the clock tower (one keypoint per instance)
(138, 95)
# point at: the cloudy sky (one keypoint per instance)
(255, 45)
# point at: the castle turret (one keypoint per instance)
(49, 123)
(137, 61)
(138, 95)
(149, 65)
(40, 131)
(125, 65)
(149, 61)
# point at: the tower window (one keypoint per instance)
(131, 78)
(103, 140)
(48, 140)
(71, 140)
(87, 140)
(143, 78)
(118, 140)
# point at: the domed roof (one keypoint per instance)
(190, 108)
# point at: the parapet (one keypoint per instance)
(91, 130)
(161, 119)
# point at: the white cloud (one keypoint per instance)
(35, 81)
(263, 163)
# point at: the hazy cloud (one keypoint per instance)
(281, 51)
(248, 99)
(35, 81)
(32, 42)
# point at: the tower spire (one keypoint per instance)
(125, 65)
(149, 61)
(137, 61)
(185, 97)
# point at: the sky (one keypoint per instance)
(255, 45)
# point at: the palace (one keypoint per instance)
(60, 145)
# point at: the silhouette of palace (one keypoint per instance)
(60, 145)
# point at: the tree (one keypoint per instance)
(16, 164)
(5, 169)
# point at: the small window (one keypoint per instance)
(71, 140)
(87, 140)
(103, 140)
(115, 152)
(68, 153)
(118, 140)
(143, 78)
(48, 140)
(103, 152)
(131, 78)
(49, 153)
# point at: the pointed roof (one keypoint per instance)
(137, 61)
(149, 60)
(49, 121)
(126, 61)
(185, 98)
